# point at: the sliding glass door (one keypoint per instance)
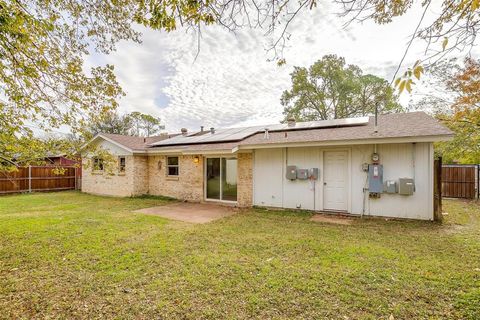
(213, 178)
(221, 178)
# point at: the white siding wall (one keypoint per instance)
(301, 193)
(272, 189)
(268, 178)
(112, 148)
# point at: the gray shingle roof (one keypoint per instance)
(397, 125)
(133, 142)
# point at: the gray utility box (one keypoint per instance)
(291, 173)
(313, 173)
(375, 178)
(390, 186)
(302, 174)
(406, 186)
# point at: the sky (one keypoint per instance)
(232, 82)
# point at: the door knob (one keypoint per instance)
(324, 183)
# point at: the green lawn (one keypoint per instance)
(71, 255)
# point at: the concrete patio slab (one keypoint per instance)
(191, 212)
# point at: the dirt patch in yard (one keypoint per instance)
(324, 218)
(191, 212)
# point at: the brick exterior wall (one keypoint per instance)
(140, 175)
(148, 175)
(245, 180)
(113, 185)
(188, 185)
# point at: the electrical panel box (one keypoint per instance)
(406, 186)
(375, 178)
(291, 173)
(365, 167)
(302, 174)
(313, 173)
(390, 186)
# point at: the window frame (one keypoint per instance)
(100, 167)
(122, 169)
(168, 166)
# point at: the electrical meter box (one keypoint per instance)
(313, 173)
(375, 178)
(390, 186)
(291, 173)
(406, 186)
(302, 174)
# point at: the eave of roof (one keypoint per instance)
(392, 128)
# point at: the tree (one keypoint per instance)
(43, 83)
(145, 124)
(330, 89)
(456, 103)
(453, 27)
(112, 122)
(43, 43)
(135, 123)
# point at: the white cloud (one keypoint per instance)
(231, 83)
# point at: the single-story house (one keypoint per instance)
(358, 166)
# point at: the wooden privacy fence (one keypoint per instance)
(460, 181)
(437, 190)
(38, 178)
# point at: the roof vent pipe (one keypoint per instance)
(184, 131)
(266, 136)
(291, 122)
(212, 130)
(201, 128)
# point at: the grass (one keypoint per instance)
(72, 255)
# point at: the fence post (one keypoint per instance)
(30, 179)
(437, 190)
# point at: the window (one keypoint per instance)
(172, 166)
(121, 164)
(97, 164)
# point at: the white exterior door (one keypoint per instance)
(335, 180)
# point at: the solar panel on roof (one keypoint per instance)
(236, 134)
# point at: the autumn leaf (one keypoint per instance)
(417, 72)
(408, 85)
(402, 86)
